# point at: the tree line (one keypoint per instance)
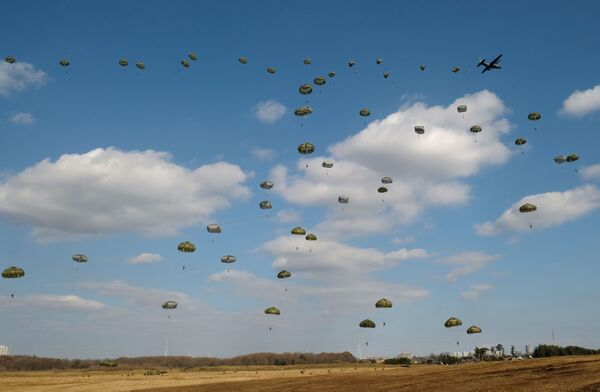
(546, 350)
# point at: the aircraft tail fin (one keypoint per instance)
(481, 62)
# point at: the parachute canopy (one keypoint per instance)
(386, 180)
(327, 164)
(386, 74)
(266, 185)
(213, 228)
(228, 259)
(475, 128)
(272, 310)
(307, 61)
(473, 329)
(534, 116)
(419, 129)
(10, 59)
(271, 70)
(64, 63)
(169, 305)
(311, 237)
(298, 231)
(365, 112)
(560, 159)
(283, 274)
(305, 89)
(452, 322)
(193, 56)
(185, 63)
(351, 63)
(422, 67)
(141, 65)
(13, 272)
(382, 189)
(383, 303)
(343, 199)
(319, 81)
(80, 258)
(331, 74)
(572, 158)
(527, 207)
(243, 60)
(306, 148)
(367, 324)
(123, 62)
(186, 247)
(303, 111)
(520, 141)
(455, 69)
(461, 108)
(265, 205)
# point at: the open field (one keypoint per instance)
(581, 374)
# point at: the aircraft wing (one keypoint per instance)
(496, 60)
(487, 68)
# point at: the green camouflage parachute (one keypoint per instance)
(266, 185)
(303, 111)
(383, 303)
(307, 61)
(80, 258)
(228, 259)
(367, 324)
(386, 75)
(169, 305)
(305, 89)
(473, 329)
(327, 164)
(283, 274)
(185, 63)
(265, 205)
(306, 148)
(520, 141)
(186, 247)
(10, 59)
(572, 158)
(455, 69)
(298, 231)
(365, 112)
(534, 116)
(331, 74)
(386, 180)
(243, 60)
(311, 237)
(422, 67)
(378, 61)
(193, 56)
(141, 65)
(271, 70)
(527, 207)
(319, 81)
(123, 62)
(213, 228)
(560, 159)
(343, 199)
(382, 189)
(452, 322)
(475, 129)
(461, 108)
(419, 129)
(64, 63)
(272, 310)
(13, 272)
(351, 63)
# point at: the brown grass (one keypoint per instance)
(577, 374)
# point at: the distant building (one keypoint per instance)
(528, 349)
(3, 350)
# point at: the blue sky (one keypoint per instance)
(115, 163)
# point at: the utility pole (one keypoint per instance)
(553, 338)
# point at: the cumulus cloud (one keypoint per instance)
(108, 190)
(475, 292)
(22, 119)
(145, 258)
(269, 111)
(581, 103)
(64, 302)
(19, 77)
(288, 216)
(404, 240)
(590, 172)
(263, 154)
(466, 263)
(553, 209)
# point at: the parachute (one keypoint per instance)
(378, 61)
(331, 74)
(367, 324)
(13, 272)
(228, 259)
(475, 129)
(386, 75)
(351, 63)
(343, 199)
(141, 65)
(213, 228)
(383, 303)
(266, 185)
(305, 89)
(283, 274)
(123, 62)
(455, 69)
(311, 237)
(473, 329)
(572, 158)
(365, 112)
(306, 148)
(64, 63)
(422, 67)
(298, 231)
(527, 207)
(193, 56)
(307, 61)
(272, 310)
(461, 108)
(10, 59)
(319, 81)
(80, 258)
(243, 60)
(382, 189)
(303, 111)
(327, 164)
(419, 129)
(186, 247)
(271, 70)
(520, 141)
(185, 63)
(452, 322)
(265, 205)
(386, 180)
(534, 116)
(169, 305)
(560, 159)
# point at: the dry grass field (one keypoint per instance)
(581, 374)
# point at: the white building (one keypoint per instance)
(528, 349)
(3, 350)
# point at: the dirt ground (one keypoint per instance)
(578, 374)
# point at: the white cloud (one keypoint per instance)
(581, 103)
(590, 172)
(22, 119)
(108, 190)
(553, 209)
(64, 302)
(288, 216)
(466, 263)
(145, 258)
(269, 111)
(404, 240)
(263, 154)
(476, 292)
(19, 76)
